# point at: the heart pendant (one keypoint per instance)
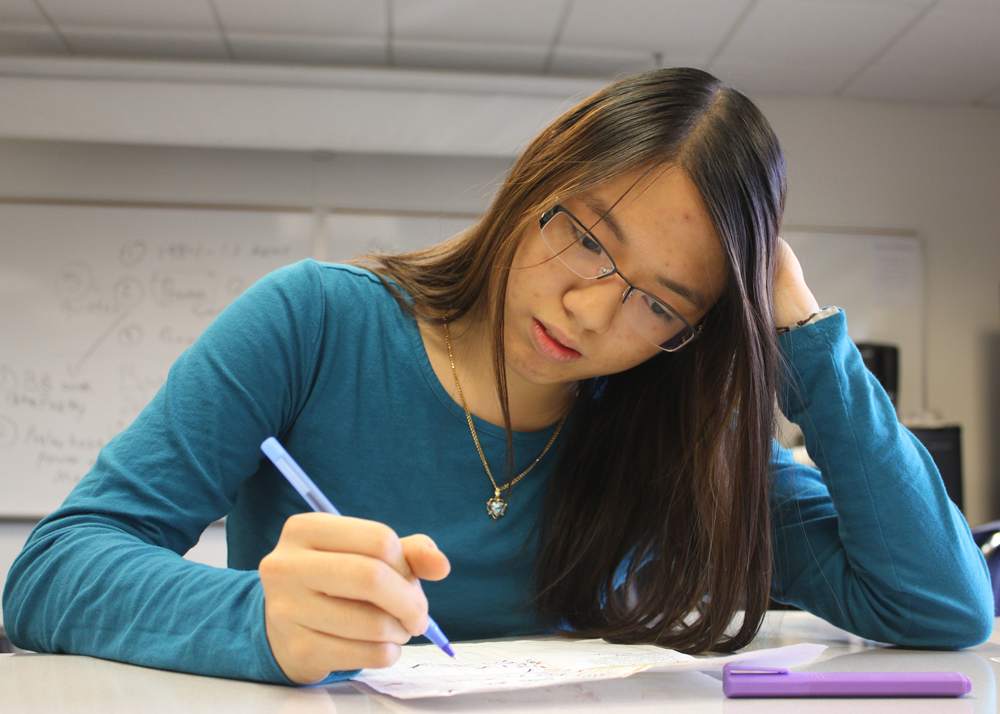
(496, 507)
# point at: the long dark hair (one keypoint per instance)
(664, 478)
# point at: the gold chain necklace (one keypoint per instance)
(496, 506)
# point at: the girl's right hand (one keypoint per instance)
(793, 301)
(343, 593)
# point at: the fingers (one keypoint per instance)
(788, 267)
(793, 301)
(310, 656)
(341, 534)
(424, 558)
(349, 619)
(363, 578)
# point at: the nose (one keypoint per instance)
(595, 303)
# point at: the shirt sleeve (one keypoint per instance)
(104, 574)
(870, 541)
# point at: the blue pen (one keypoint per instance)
(318, 502)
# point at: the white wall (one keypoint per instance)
(85, 171)
(935, 170)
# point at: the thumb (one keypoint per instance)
(425, 560)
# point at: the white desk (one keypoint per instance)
(52, 684)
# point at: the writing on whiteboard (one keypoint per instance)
(102, 300)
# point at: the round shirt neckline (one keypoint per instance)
(483, 427)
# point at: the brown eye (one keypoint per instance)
(588, 243)
(657, 309)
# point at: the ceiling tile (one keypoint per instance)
(952, 54)
(144, 14)
(304, 49)
(671, 27)
(758, 77)
(818, 31)
(950, 51)
(607, 64)
(30, 40)
(336, 18)
(20, 11)
(511, 22)
(145, 44)
(468, 57)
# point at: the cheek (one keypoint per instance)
(628, 350)
(525, 283)
(535, 273)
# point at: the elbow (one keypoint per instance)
(974, 612)
(954, 623)
(13, 619)
(947, 611)
(956, 608)
(975, 625)
(25, 594)
(967, 630)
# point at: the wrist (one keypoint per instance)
(823, 313)
(794, 306)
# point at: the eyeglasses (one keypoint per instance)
(577, 248)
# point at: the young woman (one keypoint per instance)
(574, 399)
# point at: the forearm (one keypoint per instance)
(885, 553)
(86, 585)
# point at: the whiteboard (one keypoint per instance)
(97, 301)
(878, 280)
(347, 235)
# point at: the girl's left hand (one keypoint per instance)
(793, 301)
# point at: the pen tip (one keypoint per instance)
(449, 651)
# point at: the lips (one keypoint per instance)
(550, 347)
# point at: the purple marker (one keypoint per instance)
(747, 681)
(317, 501)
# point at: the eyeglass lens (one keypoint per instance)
(579, 251)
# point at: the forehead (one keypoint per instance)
(660, 194)
(660, 218)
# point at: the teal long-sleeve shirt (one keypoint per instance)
(322, 357)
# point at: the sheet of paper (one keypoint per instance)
(425, 671)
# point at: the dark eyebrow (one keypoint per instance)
(604, 212)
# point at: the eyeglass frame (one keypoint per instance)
(559, 208)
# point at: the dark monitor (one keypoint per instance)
(945, 445)
(883, 362)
